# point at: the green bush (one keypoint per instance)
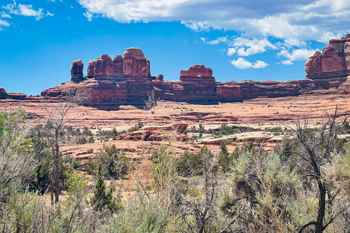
(103, 199)
(225, 160)
(112, 162)
(192, 164)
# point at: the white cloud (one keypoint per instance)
(244, 64)
(295, 55)
(293, 19)
(24, 10)
(217, 41)
(4, 23)
(88, 16)
(245, 47)
(231, 51)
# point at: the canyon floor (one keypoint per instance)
(176, 125)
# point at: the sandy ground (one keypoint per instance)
(262, 112)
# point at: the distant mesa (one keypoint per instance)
(127, 80)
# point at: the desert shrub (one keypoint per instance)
(40, 180)
(137, 126)
(225, 130)
(163, 168)
(262, 195)
(105, 135)
(192, 164)
(189, 165)
(225, 159)
(16, 154)
(103, 199)
(201, 131)
(112, 162)
(142, 215)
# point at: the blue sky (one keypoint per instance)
(239, 40)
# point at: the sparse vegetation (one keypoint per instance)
(303, 186)
(112, 162)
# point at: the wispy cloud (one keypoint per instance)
(243, 64)
(245, 47)
(25, 10)
(295, 55)
(4, 23)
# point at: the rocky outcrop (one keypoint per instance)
(3, 93)
(17, 96)
(197, 85)
(105, 94)
(229, 92)
(127, 79)
(110, 82)
(333, 62)
(135, 64)
(77, 74)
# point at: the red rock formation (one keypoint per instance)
(196, 71)
(77, 75)
(332, 62)
(127, 80)
(199, 85)
(3, 93)
(101, 93)
(17, 96)
(229, 92)
(124, 80)
(135, 64)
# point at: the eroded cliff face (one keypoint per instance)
(109, 82)
(333, 62)
(126, 79)
(77, 74)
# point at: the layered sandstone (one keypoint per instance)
(77, 74)
(333, 62)
(127, 79)
(197, 85)
(110, 82)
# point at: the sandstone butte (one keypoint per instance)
(127, 79)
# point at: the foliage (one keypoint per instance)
(163, 168)
(225, 160)
(190, 165)
(103, 199)
(303, 186)
(16, 154)
(112, 162)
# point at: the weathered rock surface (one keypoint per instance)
(127, 79)
(77, 71)
(3, 93)
(333, 62)
(17, 96)
(110, 82)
